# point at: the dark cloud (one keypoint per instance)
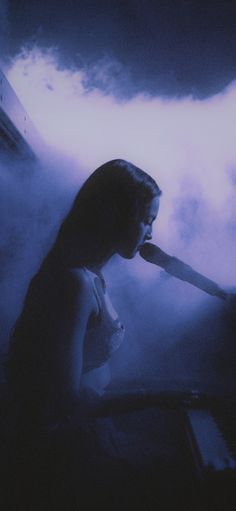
(171, 47)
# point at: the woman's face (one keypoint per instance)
(139, 231)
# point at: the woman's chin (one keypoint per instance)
(131, 254)
(128, 252)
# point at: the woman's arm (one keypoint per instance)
(83, 305)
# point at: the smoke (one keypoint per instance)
(34, 198)
(187, 145)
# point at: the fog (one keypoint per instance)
(173, 331)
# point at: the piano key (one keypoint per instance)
(212, 448)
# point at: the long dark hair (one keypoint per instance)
(114, 194)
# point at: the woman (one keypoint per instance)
(58, 364)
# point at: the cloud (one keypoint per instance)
(188, 145)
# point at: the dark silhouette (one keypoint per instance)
(58, 364)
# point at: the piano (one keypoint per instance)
(185, 450)
(211, 435)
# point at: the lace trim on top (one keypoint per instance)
(105, 333)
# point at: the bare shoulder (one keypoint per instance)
(80, 283)
(78, 276)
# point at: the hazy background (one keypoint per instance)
(151, 82)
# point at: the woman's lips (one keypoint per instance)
(141, 246)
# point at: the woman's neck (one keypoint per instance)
(97, 267)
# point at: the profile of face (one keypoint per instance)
(139, 231)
